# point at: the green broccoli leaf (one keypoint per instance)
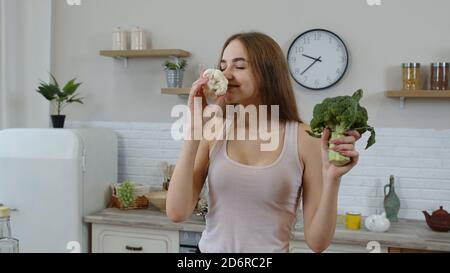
(341, 114)
(371, 139)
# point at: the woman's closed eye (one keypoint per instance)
(237, 67)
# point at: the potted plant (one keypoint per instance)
(174, 72)
(52, 92)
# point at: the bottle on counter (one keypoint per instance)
(391, 201)
(7, 243)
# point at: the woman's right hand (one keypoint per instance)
(197, 92)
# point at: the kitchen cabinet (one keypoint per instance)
(114, 229)
(408, 250)
(124, 239)
(302, 247)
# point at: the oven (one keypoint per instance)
(189, 241)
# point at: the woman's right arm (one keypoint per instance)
(187, 180)
(191, 167)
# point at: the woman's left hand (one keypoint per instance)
(346, 147)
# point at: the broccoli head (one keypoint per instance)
(339, 115)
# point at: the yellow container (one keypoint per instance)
(353, 220)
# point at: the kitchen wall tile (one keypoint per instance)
(418, 158)
(144, 162)
(170, 144)
(142, 144)
(355, 190)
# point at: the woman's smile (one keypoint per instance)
(231, 87)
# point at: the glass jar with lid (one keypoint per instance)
(444, 82)
(120, 39)
(439, 76)
(7, 243)
(138, 40)
(411, 76)
(434, 76)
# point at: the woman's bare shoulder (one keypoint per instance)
(307, 144)
(303, 127)
(303, 135)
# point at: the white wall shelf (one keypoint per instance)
(148, 53)
(182, 92)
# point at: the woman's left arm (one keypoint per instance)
(321, 181)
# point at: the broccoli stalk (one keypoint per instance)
(334, 157)
(339, 115)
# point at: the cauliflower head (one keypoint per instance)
(217, 84)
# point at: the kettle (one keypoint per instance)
(439, 220)
(377, 223)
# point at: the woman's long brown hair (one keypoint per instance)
(270, 71)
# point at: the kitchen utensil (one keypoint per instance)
(167, 170)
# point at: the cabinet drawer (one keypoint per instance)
(118, 239)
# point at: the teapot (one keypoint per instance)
(377, 223)
(439, 220)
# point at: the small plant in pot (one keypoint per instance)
(174, 72)
(52, 92)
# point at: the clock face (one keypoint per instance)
(317, 59)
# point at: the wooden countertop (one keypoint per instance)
(411, 234)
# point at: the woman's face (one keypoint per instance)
(241, 83)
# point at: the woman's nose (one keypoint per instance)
(227, 73)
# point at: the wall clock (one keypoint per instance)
(317, 59)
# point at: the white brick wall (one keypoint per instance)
(142, 148)
(418, 158)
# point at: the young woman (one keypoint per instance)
(253, 194)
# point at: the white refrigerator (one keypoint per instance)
(51, 178)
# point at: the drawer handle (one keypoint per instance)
(133, 248)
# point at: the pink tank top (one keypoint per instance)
(252, 208)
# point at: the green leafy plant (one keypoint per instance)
(175, 65)
(52, 92)
(125, 193)
(339, 115)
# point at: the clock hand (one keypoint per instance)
(311, 57)
(311, 65)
